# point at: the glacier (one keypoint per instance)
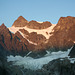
(35, 64)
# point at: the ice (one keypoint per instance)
(34, 64)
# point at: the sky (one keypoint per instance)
(39, 10)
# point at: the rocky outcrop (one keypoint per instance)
(24, 31)
(66, 27)
(35, 25)
(55, 67)
(8, 69)
(6, 36)
(20, 22)
(37, 40)
(11, 42)
(63, 35)
(37, 54)
(72, 52)
(59, 67)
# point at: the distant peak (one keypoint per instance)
(21, 18)
(33, 21)
(3, 25)
(69, 16)
(66, 19)
(20, 22)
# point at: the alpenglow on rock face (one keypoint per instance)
(20, 22)
(64, 33)
(38, 36)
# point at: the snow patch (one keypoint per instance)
(72, 60)
(34, 64)
(21, 34)
(74, 42)
(39, 22)
(61, 59)
(14, 29)
(45, 32)
(29, 53)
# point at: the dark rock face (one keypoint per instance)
(59, 67)
(37, 54)
(72, 52)
(8, 69)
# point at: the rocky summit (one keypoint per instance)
(34, 40)
(44, 35)
(20, 22)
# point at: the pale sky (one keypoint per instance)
(39, 10)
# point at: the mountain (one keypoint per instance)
(33, 48)
(10, 41)
(63, 35)
(38, 25)
(20, 22)
(38, 36)
(72, 52)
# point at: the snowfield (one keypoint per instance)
(34, 64)
(45, 32)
